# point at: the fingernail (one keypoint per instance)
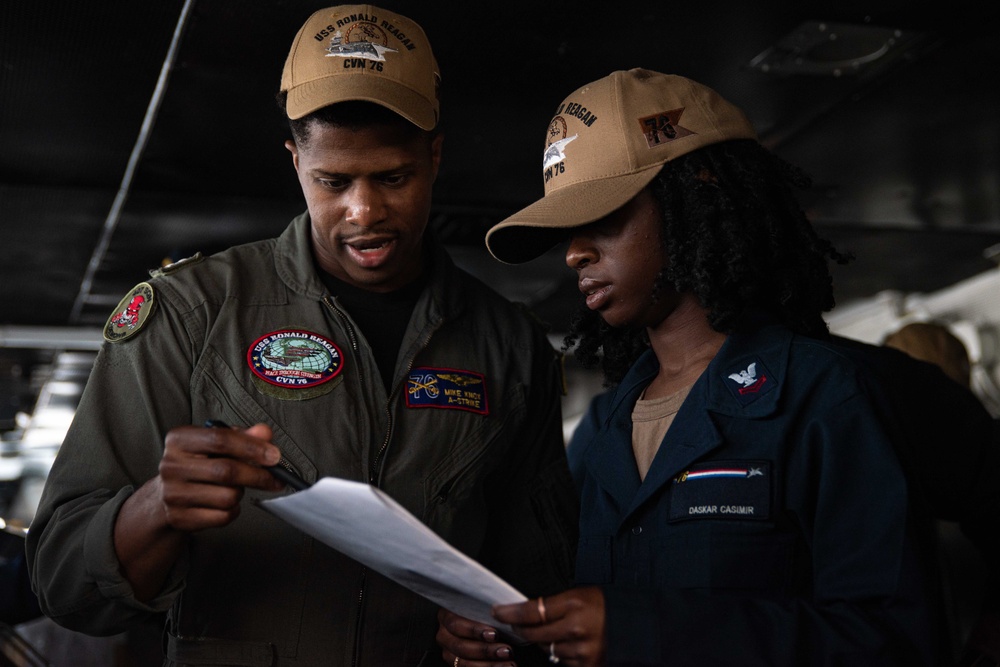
(503, 652)
(489, 636)
(272, 455)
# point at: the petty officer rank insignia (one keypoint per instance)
(130, 314)
(294, 359)
(749, 382)
(446, 388)
(738, 490)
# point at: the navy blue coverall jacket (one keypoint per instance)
(773, 527)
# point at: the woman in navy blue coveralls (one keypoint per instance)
(741, 503)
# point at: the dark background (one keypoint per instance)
(892, 107)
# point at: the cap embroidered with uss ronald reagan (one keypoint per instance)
(605, 143)
(362, 52)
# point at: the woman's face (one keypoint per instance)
(617, 260)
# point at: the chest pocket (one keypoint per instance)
(723, 532)
(726, 557)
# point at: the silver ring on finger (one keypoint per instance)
(455, 664)
(553, 658)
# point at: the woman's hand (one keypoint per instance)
(467, 643)
(568, 626)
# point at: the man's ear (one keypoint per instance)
(294, 150)
(436, 152)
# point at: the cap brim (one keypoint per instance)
(534, 230)
(313, 95)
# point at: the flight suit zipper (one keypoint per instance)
(328, 301)
(374, 469)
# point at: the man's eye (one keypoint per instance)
(333, 183)
(394, 179)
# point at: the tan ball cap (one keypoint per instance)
(606, 142)
(362, 52)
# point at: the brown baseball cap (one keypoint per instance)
(606, 142)
(362, 52)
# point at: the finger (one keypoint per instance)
(475, 653)
(260, 431)
(191, 495)
(183, 469)
(577, 652)
(462, 627)
(228, 442)
(469, 639)
(190, 519)
(523, 613)
(450, 659)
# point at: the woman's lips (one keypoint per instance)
(595, 292)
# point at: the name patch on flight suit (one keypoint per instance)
(722, 490)
(446, 388)
(294, 359)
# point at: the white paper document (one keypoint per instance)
(364, 523)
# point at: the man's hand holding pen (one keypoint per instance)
(203, 474)
(204, 471)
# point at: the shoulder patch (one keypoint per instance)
(173, 267)
(130, 314)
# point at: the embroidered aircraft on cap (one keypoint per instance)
(554, 152)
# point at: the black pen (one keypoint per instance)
(280, 472)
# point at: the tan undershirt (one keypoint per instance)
(650, 421)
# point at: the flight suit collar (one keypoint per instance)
(293, 259)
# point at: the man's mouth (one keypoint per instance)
(370, 252)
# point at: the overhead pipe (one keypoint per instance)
(51, 338)
(111, 221)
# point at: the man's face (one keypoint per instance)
(368, 192)
(617, 260)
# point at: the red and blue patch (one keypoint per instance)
(447, 389)
(295, 359)
(739, 490)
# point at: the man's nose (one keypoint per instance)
(365, 207)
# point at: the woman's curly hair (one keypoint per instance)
(734, 235)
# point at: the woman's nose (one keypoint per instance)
(580, 252)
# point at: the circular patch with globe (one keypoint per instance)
(294, 358)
